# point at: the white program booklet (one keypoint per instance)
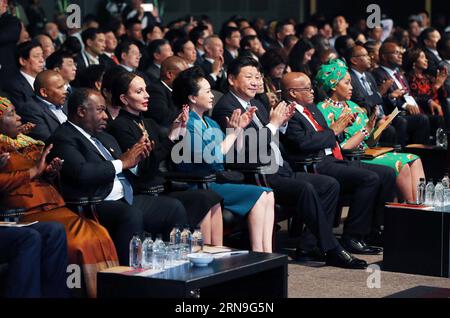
(16, 224)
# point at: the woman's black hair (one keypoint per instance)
(120, 85)
(186, 84)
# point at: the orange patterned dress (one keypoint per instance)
(89, 243)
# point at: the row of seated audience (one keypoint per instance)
(112, 121)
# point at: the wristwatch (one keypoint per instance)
(365, 132)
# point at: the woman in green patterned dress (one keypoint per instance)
(334, 78)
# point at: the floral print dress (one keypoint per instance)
(331, 111)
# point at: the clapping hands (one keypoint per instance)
(26, 128)
(239, 120)
(281, 114)
(179, 125)
(4, 157)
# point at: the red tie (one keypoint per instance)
(114, 58)
(399, 77)
(336, 150)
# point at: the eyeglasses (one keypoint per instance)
(362, 55)
(98, 110)
(395, 53)
(302, 89)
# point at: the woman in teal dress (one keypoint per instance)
(334, 78)
(208, 145)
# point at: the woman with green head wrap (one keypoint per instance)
(335, 80)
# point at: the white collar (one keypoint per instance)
(168, 87)
(358, 73)
(30, 79)
(81, 130)
(51, 105)
(435, 52)
(210, 60)
(157, 65)
(390, 71)
(234, 53)
(129, 69)
(241, 101)
(91, 59)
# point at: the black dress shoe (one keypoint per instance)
(375, 238)
(314, 255)
(358, 246)
(345, 260)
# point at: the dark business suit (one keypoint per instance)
(433, 62)
(227, 58)
(38, 112)
(8, 44)
(410, 128)
(362, 98)
(153, 72)
(86, 173)
(314, 196)
(83, 62)
(368, 184)
(37, 261)
(19, 91)
(162, 109)
(220, 84)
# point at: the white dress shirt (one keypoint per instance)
(117, 190)
(30, 79)
(57, 111)
(300, 108)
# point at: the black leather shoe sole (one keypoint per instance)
(356, 247)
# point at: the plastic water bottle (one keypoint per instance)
(158, 253)
(429, 193)
(439, 195)
(197, 240)
(441, 138)
(175, 235)
(147, 252)
(446, 181)
(136, 251)
(420, 194)
(186, 238)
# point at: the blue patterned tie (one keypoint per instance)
(127, 188)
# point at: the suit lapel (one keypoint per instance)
(85, 140)
(48, 112)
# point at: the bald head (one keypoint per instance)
(171, 67)
(391, 55)
(296, 87)
(50, 85)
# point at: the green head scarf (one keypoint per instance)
(331, 73)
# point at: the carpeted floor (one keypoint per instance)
(318, 281)
(315, 280)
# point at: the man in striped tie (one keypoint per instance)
(370, 185)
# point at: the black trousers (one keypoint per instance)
(315, 198)
(152, 214)
(368, 186)
(37, 260)
(412, 129)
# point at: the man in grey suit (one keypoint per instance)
(46, 109)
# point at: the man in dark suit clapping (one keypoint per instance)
(94, 166)
(308, 134)
(314, 197)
